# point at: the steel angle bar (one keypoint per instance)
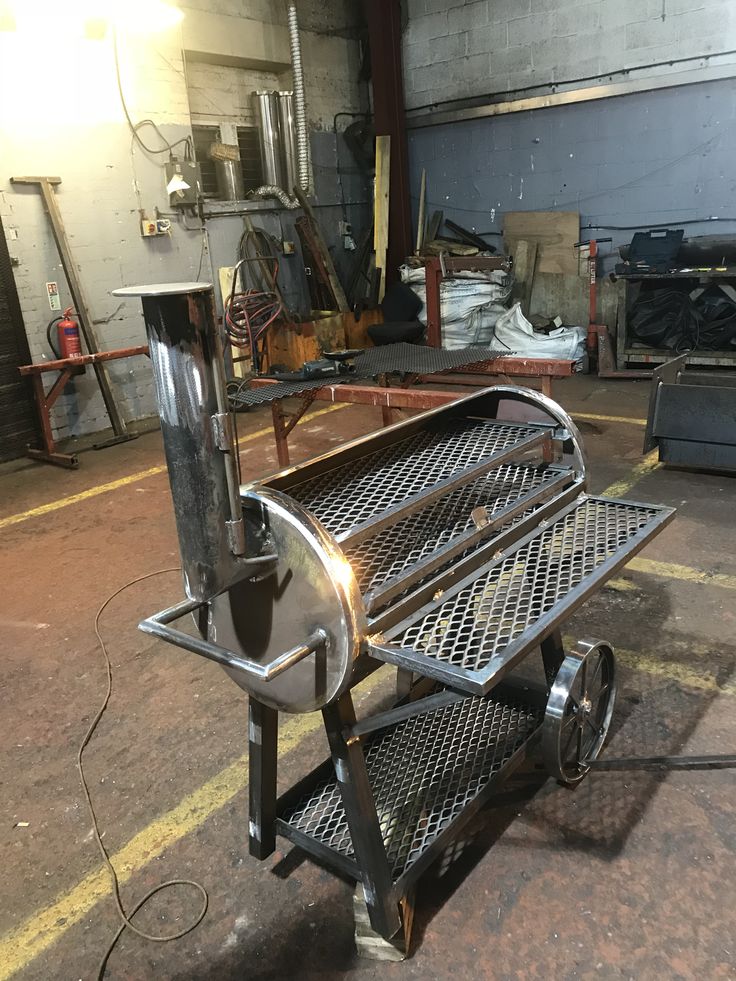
(389, 590)
(366, 529)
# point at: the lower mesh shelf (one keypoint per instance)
(423, 773)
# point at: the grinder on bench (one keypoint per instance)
(453, 546)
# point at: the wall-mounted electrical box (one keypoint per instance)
(182, 183)
(155, 226)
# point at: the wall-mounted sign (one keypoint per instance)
(54, 299)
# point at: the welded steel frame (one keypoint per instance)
(370, 865)
(68, 368)
(481, 682)
(514, 707)
(690, 417)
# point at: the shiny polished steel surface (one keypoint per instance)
(356, 494)
(407, 552)
(158, 626)
(418, 791)
(515, 403)
(162, 289)
(229, 175)
(188, 371)
(287, 127)
(266, 104)
(472, 634)
(310, 587)
(579, 711)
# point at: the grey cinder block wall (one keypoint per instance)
(654, 156)
(457, 49)
(661, 156)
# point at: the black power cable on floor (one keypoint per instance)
(125, 918)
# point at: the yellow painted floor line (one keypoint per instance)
(23, 944)
(595, 418)
(132, 478)
(670, 570)
(36, 934)
(671, 671)
(19, 947)
(623, 486)
(84, 495)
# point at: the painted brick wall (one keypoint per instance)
(623, 161)
(455, 49)
(220, 93)
(71, 124)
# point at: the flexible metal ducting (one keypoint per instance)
(300, 118)
(300, 103)
(272, 191)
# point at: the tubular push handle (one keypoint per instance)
(158, 626)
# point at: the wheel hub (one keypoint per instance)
(579, 711)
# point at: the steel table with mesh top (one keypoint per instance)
(412, 363)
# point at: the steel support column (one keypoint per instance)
(384, 33)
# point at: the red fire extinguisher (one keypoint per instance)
(68, 333)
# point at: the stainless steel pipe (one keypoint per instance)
(267, 111)
(288, 140)
(186, 356)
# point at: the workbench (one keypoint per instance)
(388, 398)
(67, 368)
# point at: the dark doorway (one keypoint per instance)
(18, 423)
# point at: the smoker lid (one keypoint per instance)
(162, 289)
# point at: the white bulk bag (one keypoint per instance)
(514, 332)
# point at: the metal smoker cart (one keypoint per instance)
(453, 546)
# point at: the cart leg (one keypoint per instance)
(360, 810)
(280, 433)
(547, 386)
(262, 761)
(553, 654)
(44, 403)
(372, 945)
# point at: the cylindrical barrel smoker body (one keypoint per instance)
(190, 387)
(267, 112)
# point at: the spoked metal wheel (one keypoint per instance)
(579, 711)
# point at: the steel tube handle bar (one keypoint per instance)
(158, 626)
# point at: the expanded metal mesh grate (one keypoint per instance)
(417, 359)
(363, 488)
(485, 617)
(423, 772)
(394, 550)
(241, 396)
(386, 359)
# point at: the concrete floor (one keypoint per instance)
(630, 876)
